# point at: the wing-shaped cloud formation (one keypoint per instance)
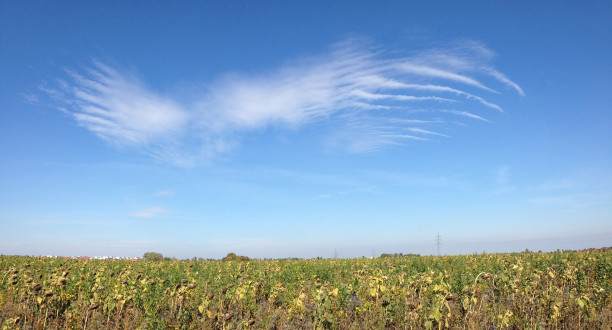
(373, 100)
(120, 109)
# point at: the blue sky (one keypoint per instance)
(304, 129)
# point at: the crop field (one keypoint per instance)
(564, 290)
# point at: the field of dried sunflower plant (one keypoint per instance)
(565, 290)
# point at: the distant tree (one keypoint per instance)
(229, 256)
(232, 256)
(153, 256)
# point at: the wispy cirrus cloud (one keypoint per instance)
(152, 212)
(587, 189)
(366, 98)
(503, 184)
(121, 109)
(164, 193)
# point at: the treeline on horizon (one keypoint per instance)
(231, 256)
(156, 256)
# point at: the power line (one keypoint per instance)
(438, 243)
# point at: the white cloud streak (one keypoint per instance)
(370, 101)
(152, 212)
(164, 193)
(121, 109)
